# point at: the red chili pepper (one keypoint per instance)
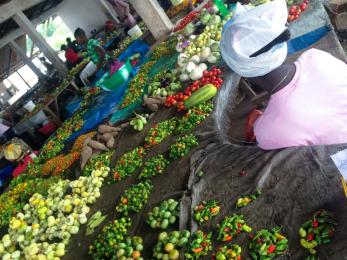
(271, 249)
(315, 223)
(310, 236)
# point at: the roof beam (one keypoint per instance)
(19, 32)
(7, 10)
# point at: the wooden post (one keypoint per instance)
(154, 17)
(21, 53)
(25, 24)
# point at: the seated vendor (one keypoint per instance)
(308, 98)
(72, 58)
(95, 51)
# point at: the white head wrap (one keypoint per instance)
(249, 31)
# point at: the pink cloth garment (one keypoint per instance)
(311, 109)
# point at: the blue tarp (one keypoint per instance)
(106, 102)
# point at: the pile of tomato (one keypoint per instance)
(209, 77)
(192, 16)
(296, 10)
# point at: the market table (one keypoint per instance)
(38, 115)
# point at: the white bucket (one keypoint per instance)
(30, 106)
(135, 32)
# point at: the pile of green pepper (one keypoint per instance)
(244, 201)
(134, 198)
(182, 146)
(206, 210)
(228, 252)
(160, 131)
(267, 244)
(231, 226)
(102, 160)
(130, 248)
(136, 85)
(318, 230)
(105, 245)
(165, 214)
(128, 163)
(169, 244)
(154, 166)
(200, 245)
(194, 117)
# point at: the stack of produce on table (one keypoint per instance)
(130, 249)
(13, 200)
(194, 117)
(105, 141)
(164, 215)
(200, 245)
(232, 226)
(153, 166)
(169, 245)
(195, 50)
(139, 122)
(212, 76)
(244, 201)
(160, 131)
(206, 210)
(101, 160)
(94, 222)
(128, 163)
(78, 67)
(163, 84)
(105, 245)
(164, 48)
(191, 17)
(230, 252)
(78, 145)
(136, 85)
(182, 146)
(153, 103)
(134, 198)
(122, 46)
(54, 146)
(296, 9)
(319, 229)
(46, 224)
(268, 244)
(60, 164)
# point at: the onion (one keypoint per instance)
(205, 53)
(190, 66)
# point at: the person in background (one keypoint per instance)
(6, 132)
(49, 66)
(72, 58)
(95, 51)
(123, 10)
(308, 98)
(72, 44)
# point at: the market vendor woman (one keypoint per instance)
(308, 98)
(95, 51)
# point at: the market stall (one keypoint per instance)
(161, 175)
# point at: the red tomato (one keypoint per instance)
(303, 6)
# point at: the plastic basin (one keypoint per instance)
(117, 79)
